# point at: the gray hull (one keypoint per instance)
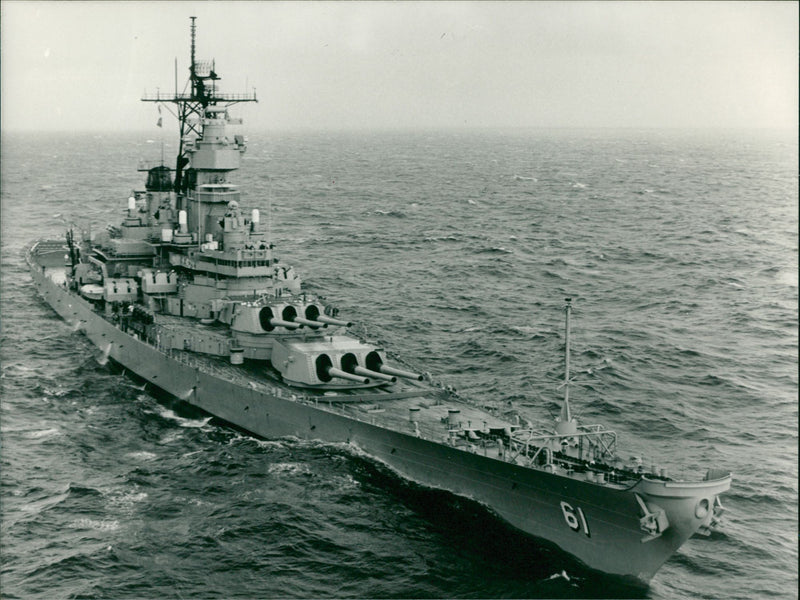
(608, 538)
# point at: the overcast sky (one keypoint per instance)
(84, 65)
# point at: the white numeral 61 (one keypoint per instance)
(572, 516)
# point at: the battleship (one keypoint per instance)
(188, 293)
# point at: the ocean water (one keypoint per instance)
(454, 250)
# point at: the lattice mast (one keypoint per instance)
(203, 93)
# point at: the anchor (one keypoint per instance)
(654, 522)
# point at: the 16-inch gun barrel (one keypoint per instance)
(275, 322)
(332, 321)
(334, 372)
(309, 322)
(399, 372)
(374, 374)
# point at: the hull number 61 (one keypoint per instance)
(575, 518)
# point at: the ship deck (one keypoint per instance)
(415, 408)
(394, 406)
(390, 405)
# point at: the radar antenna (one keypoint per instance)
(203, 93)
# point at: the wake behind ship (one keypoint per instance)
(189, 294)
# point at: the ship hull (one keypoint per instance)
(608, 536)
